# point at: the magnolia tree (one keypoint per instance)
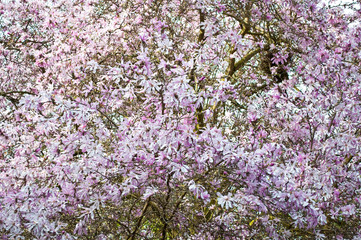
(183, 119)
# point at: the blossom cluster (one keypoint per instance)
(182, 119)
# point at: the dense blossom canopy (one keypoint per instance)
(180, 119)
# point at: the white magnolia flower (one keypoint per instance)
(225, 201)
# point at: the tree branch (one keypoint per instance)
(132, 236)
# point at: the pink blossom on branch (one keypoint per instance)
(180, 120)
